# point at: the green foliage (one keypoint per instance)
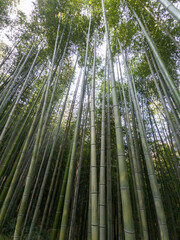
(3, 237)
(5, 6)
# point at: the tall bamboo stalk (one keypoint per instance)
(19, 164)
(66, 209)
(149, 163)
(109, 159)
(61, 199)
(93, 168)
(48, 165)
(78, 175)
(137, 173)
(124, 184)
(57, 168)
(102, 179)
(29, 178)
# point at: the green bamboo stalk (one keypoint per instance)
(30, 175)
(89, 212)
(171, 9)
(176, 137)
(66, 209)
(59, 208)
(137, 175)
(102, 179)
(168, 79)
(37, 181)
(17, 171)
(119, 208)
(163, 28)
(17, 193)
(9, 53)
(174, 111)
(7, 159)
(55, 137)
(136, 208)
(149, 163)
(172, 162)
(5, 98)
(93, 168)
(18, 98)
(164, 182)
(51, 76)
(53, 186)
(124, 184)
(3, 94)
(109, 167)
(78, 175)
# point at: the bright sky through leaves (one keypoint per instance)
(26, 6)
